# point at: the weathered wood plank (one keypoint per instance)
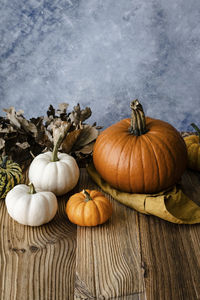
(37, 262)
(131, 257)
(171, 253)
(108, 262)
(191, 185)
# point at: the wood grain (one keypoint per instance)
(108, 261)
(130, 257)
(190, 184)
(37, 262)
(171, 253)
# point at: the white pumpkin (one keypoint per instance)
(28, 207)
(58, 175)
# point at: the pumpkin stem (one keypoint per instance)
(32, 188)
(197, 129)
(59, 142)
(4, 162)
(87, 196)
(138, 121)
(56, 147)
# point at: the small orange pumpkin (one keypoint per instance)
(140, 154)
(193, 148)
(88, 208)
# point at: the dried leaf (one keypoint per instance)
(18, 120)
(21, 139)
(12, 116)
(24, 145)
(51, 111)
(87, 149)
(48, 136)
(87, 135)
(28, 126)
(5, 126)
(60, 128)
(9, 129)
(62, 108)
(48, 120)
(70, 140)
(42, 136)
(78, 116)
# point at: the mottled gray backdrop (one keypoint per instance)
(102, 54)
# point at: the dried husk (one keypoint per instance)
(22, 139)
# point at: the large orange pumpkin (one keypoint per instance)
(140, 154)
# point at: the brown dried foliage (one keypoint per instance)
(22, 139)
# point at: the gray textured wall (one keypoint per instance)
(102, 54)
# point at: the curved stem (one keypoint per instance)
(87, 196)
(32, 188)
(59, 142)
(138, 121)
(56, 147)
(197, 130)
(4, 162)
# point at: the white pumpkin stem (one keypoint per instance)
(59, 142)
(56, 147)
(87, 196)
(197, 129)
(4, 162)
(32, 188)
(138, 121)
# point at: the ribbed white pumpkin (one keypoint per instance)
(28, 207)
(58, 176)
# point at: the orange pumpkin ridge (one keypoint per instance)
(88, 208)
(140, 154)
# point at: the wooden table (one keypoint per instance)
(132, 256)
